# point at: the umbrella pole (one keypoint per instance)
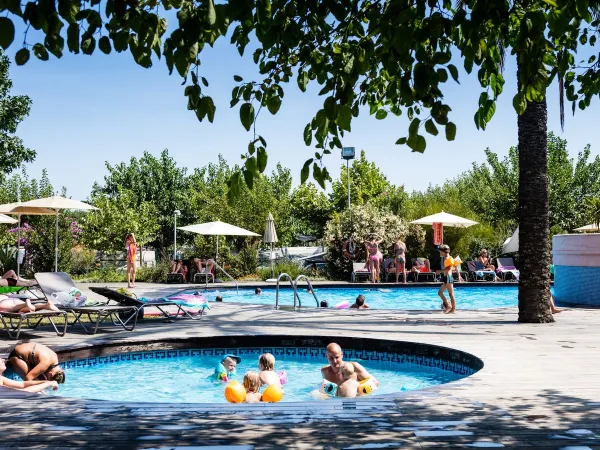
(56, 245)
(18, 247)
(217, 255)
(272, 270)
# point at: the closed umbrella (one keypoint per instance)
(217, 228)
(57, 203)
(270, 237)
(511, 245)
(19, 210)
(445, 219)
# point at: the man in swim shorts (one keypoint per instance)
(34, 361)
(333, 372)
(10, 278)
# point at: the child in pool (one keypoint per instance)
(251, 384)
(226, 368)
(349, 387)
(266, 364)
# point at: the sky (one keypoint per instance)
(89, 110)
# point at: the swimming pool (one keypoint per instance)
(184, 375)
(408, 298)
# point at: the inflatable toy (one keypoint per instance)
(366, 386)
(272, 394)
(283, 378)
(342, 305)
(454, 262)
(329, 388)
(235, 392)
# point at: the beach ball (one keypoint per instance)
(235, 392)
(272, 394)
(366, 387)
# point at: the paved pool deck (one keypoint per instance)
(539, 388)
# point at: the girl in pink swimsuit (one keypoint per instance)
(374, 257)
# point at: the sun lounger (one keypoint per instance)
(159, 304)
(13, 322)
(359, 269)
(423, 276)
(477, 274)
(204, 277)
(506, 269)
(54, 282)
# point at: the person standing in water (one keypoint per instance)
(131, 246)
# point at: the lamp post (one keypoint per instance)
(175, 214)
(348, 154)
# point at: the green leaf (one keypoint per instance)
(344, 117)
(22, 57)
(305, 171)
(519, 103)
(212, 14)
(73, 38)
(401, 141)
(88, 45)
(263, 11)
(234, 184)
(68, 9)
(104, 45)
(582, 7)
(307, 134)
(237, 78)
(247, 115)
(431, 128)
(413, 128)
(417, 143)
(210, 108)
(381, 114)
(7, 32)
(302, 81)
(453, 72)
(40, 52)
(551, 3)
(450, 131)
(273, 104)
(261, 159)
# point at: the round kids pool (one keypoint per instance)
(186, 375)
(406, 298)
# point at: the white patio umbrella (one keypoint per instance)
(446, 219)
(6, 219)
(217, 228)
(19, 210)
(511, 245)
(270, 237)
(585, 228)
(57, 203)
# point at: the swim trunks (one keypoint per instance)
(11, 281)
(447, 279)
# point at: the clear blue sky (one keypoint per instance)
(91, 109)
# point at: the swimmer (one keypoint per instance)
(226, 368)
(15, 305)
(349, 386)
(219, 298)
(257, 291)
(335, 358)
(360, 303)
(251, 384)
(266, 364)
(28, 386)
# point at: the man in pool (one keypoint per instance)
(333, 373)
(34, 361)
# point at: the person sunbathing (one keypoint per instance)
(10, 278)
(28, 386)
(483, 262)
(421, 266)
(15, 305)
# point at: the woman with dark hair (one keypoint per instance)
(34, 361)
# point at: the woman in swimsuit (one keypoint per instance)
(447, 282)
(484, 261)
(34, 361)
(374, 257)
(10, 278)
(15, 305)
(131, 246)
(400, 259)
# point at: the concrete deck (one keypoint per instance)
(540, 388)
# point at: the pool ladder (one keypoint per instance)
(294, 285)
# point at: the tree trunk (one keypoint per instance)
(534, 235)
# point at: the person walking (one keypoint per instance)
(131, 246)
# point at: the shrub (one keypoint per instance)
(106, 274)
(155, 274)
(83, 260)
(283, 265)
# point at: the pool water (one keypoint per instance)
(188, 379)
(415, 298)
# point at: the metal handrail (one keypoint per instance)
(237, 290)
(285, 275)
(300, 277)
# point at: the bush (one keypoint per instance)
(83, 260)
(283, 265)
(156, 274)
(106, 274)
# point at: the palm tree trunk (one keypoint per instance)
(534, 235)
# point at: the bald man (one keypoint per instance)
(332, 372)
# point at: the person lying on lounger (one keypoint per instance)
(34, 361)
(15, 305)
(28, 386)
(10, 278)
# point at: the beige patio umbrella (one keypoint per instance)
(6, 219)
(57, 203)
(19, 210)
(270, 237)
(585, 228)
(217, 228)
(446, 219)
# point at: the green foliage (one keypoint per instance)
(42, 244)
(7, 259)
(105, 274)
(309, 211)
(155, 274)
(13, 109)
(360, 222)
(83, 260)
(593, 205)
(283, 265)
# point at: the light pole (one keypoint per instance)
(348, 154)
(175, 214)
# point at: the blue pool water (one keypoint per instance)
(415, 298)
(185, 377)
